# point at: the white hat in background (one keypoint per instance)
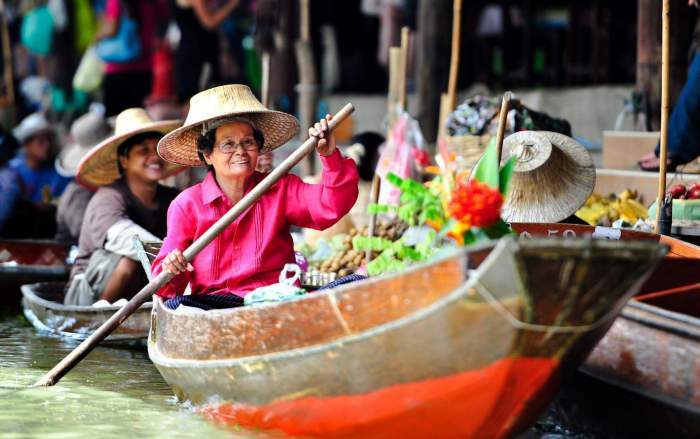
(30, 126)
(87, 131)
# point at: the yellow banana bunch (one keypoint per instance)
(599, 210)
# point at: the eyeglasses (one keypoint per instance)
(228, 147)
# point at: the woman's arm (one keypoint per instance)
(180, 236)
(319, 206)
(211, 20)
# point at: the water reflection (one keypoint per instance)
(113, 392)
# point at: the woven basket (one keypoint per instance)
(467, 150)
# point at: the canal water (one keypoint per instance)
(117, 392)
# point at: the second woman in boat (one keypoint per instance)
(227, 129)
(129, 202)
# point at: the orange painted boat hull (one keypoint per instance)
(485, 403)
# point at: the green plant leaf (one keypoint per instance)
(505, 174)
(497, 230)
(486, 171)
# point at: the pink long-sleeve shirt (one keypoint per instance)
(252, 251)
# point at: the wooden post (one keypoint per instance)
(665, 49)
(454, 57)
(306, 89)
(84, 348)
(432, 62)
(448, 101)
(395, 83)
(405, 41)
(8, 77)
(265, 86)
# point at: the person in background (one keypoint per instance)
(199, 42)
(127, 84)
(684, 124)
(38, 178)
(9, 189)
(34, 213)
(129, 202)
(86, 132)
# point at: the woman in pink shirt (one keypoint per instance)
(227, 128)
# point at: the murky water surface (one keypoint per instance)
(117, 392)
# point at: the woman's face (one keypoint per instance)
(143, 162)
(235, 152)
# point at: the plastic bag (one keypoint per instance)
(286, 289)
(123, 47)
(399, 157)
(88, 77)
(37, 30)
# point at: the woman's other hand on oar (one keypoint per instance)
(175, 263)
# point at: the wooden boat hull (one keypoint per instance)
(43, 306)
(653, 349)
(28, 261)
(434, 350)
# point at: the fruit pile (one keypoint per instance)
(348, 260)
(603, 211)
(681, 192)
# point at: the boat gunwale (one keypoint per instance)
(32, 297)
(662, 319)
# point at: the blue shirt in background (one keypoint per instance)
(33, 181)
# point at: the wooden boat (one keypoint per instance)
(43, 306)
(473, 344)
(653, 349)
(28, 261)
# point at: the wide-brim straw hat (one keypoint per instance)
(219, 103)
(553, 177)
(99, 166)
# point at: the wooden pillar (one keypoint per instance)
(433, 60)
(649, 54)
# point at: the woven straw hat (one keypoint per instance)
(180, 146)
(99, 166)
(552, 179)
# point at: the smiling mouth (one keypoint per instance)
(157, 166)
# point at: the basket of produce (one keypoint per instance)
(604, 211)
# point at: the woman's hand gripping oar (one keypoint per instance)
(62, 368)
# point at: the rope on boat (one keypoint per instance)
(516, 322)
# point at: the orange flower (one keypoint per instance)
(475, 204)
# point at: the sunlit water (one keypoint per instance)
(117, 392)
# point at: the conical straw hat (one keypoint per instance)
(180, 146)
(99, 166)
(552, 179)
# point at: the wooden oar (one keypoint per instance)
(62, 368)
(665, 66)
